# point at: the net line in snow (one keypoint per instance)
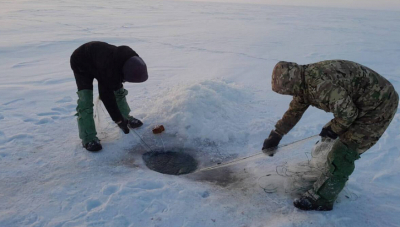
(251, 157)
(300, 177)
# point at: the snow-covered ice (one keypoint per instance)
(209, 85)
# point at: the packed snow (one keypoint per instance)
(210, 67)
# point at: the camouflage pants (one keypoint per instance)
(362, 135)
(366, 130)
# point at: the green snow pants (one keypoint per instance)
(120, 96)
(339, 166)
(87, 129)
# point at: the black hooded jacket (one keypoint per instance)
(104, 62)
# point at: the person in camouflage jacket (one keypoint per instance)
(363, 104)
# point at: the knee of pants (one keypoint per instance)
(342, 167)
(83, 105)
(85, 100)
(341, 159)
(84, 111)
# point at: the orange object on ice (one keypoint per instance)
(158, 129)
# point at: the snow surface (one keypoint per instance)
(210, 67)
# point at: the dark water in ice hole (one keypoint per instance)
(170, 162)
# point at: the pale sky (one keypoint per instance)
(360, 4)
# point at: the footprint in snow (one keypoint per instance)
(156, 207)
(2, 137)
(65, 99)
(25, 64)
(57, 81)
(13, 101)
(48, 114)
(52, 115)
(70, 106)
(30, 120)
(134, 187)
(20, 137)
(205, 194)
(29, 219)
(110, 189)
(40, 162)
(60, 110)
(44, 121)
(149, 185)
(92, 204)
(3, 155)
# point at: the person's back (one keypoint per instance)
(365, 86)
(103, 61)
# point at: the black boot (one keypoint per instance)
(309, 203)
(93, 146)
(134, 123)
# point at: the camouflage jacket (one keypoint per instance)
(345, 88)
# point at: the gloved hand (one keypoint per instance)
(327, 132)
(271, 142)
(123, 125)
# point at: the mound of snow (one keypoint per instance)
(207, 111)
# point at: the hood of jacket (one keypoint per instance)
(287, 79)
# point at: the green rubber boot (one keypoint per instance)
(87, 128)
(340, 165)
(120, 96)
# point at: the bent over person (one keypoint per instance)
(110, 66)
(363, 104)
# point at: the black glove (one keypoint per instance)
(327, 132)
(123, 125)
(271, 142)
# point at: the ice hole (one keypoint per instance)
(170, 162)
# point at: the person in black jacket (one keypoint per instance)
(110, 66)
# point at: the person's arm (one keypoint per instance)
(293, 115)
(108, 98)
(340, 104)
